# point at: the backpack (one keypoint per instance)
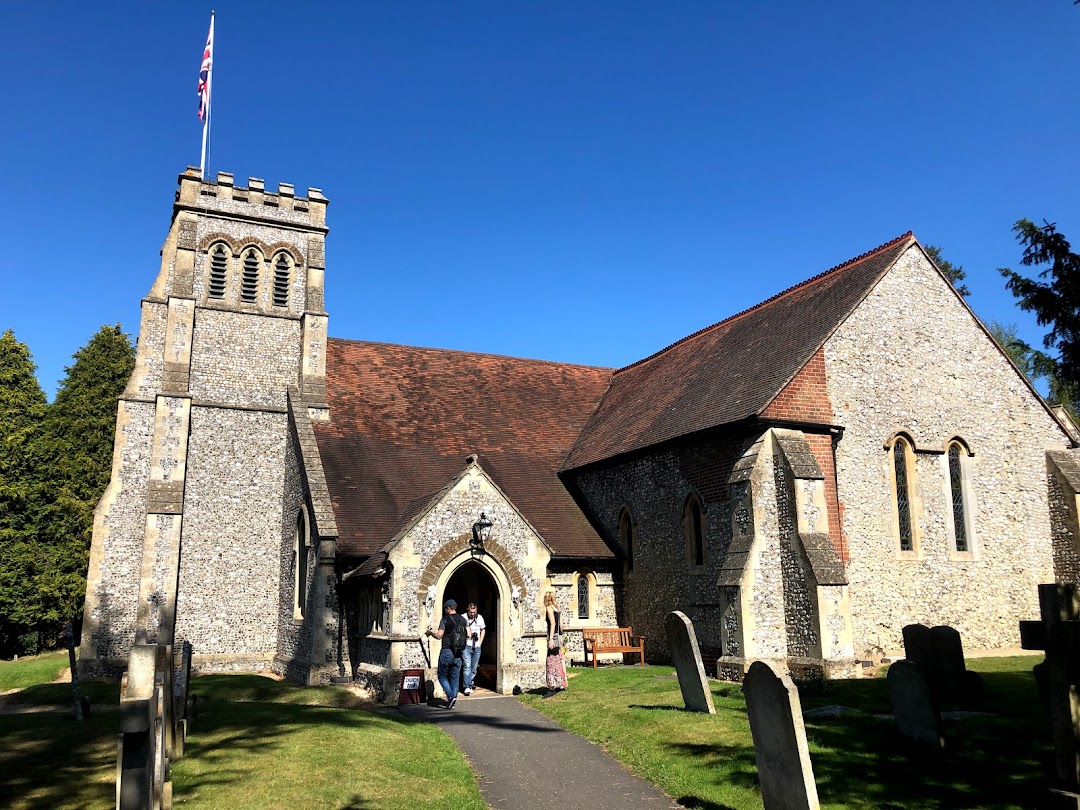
(457, 635)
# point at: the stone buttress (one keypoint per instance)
(196, 536)
(783, 590)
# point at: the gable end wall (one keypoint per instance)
(912, 358)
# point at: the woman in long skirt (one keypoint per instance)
(555, 668)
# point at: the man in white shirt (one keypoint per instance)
(475, 629)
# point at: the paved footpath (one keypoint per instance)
(525, 761)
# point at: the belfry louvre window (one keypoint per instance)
(281, 281)
(903, 495)
(249, 281)
(219, 263)
(956, 488)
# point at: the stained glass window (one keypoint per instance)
(903, 502)
(956, 485)
(583, 596)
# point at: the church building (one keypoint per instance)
(802, 479)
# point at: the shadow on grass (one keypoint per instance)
(54, 760)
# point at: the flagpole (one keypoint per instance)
(209, 103)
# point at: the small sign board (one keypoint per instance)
(412, 686)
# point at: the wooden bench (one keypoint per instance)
(599, 640)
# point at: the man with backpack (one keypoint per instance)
(452, 631)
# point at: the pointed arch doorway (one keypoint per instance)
(472, 582)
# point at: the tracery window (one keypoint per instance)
(282, 277)
(219, 263)
(956, 490)
(693, 531)
(901, 451)
(583, 596)
(249, 279)
(626, 537)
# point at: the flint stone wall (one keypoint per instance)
(294, 639)
(654, 488)
(230, 572)
(912, 358)
(117, 551)
(224, 369)
(603, 613)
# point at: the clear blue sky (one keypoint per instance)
(584, 182)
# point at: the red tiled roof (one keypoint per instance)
(731, 370)
(404, 419)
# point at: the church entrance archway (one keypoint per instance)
(472, 582)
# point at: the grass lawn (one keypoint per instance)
(31, 670)
(998, 761)
(256, 743)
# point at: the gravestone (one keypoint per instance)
(939, 654)
(785, 773)
(914, 707)
(685, 653)
(919, 650)
(82, 705)
(1058, 677)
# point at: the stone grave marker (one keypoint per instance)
(919, 650)
(1058, 677)
(914, 707)
(82, 705)
(776, 723)
(682, 641)
(952, 672)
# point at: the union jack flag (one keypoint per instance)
(204, 73)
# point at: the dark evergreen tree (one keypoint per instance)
(77, 444)
(1055, 300)
(954, 273)
(22, 409)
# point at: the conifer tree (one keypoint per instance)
(77, 444)
(1055, 300)
(22, 409)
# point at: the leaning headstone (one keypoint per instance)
(776, 722)
(914, 706)
(682, 641)
(82, 705)
(919, 650)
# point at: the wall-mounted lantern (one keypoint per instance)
(481, 530)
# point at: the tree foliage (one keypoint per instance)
(1054, 297)
(55, 465)
(954, 273)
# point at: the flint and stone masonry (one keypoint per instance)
(218, 525)
(197, 524)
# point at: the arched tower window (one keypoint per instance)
(901, 461)
(957, 457)
(693, 530)
(249, 279)
(627, 538)
(219, 265)
(300, 555)
(282, 279)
